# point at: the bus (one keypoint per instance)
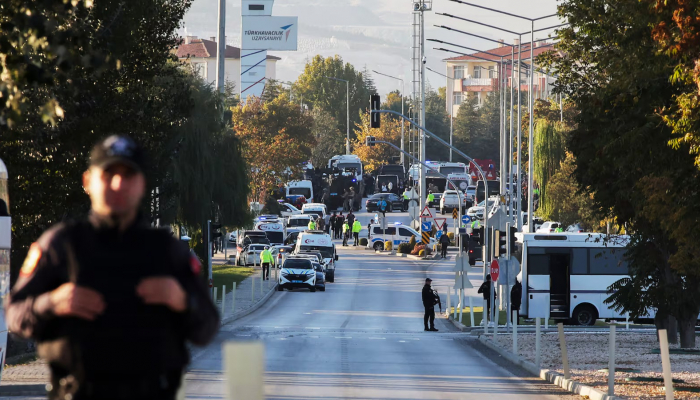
(5, 241)
(566, 276)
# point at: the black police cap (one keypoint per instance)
(117, 149)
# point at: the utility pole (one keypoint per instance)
(424, 5)
(221, 44)
(531, 141)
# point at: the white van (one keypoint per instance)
(318, 209)
(274, 229)
(300, 221)
(397, 234)
(320, 241)
(300, 188)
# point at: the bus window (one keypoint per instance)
(579, 264)
(608, 262)
(538, 264)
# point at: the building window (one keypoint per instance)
(492, 72)
(477, 72)
(200, 69)
(457, 99)
(458, 71)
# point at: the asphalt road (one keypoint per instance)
(363, 339)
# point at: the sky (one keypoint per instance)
(376, 34)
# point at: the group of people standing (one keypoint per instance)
(343, 226)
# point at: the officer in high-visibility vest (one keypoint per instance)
(312, 225)
(346, 232)
(266, 260)
(356, 228)
(431, 197)
(406, 198)
(476, 224)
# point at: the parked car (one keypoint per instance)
(279, 252)
(393, 202)
(292, 235)
(250, 255)
(297, 273)
(288, 210)
(450, 200)
(576, 228)
(548, 227)
(477, 212)
(436, 201)
(320, 276)
(300, 220)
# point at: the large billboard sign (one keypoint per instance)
(270, 33)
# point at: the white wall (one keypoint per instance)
(232, 70)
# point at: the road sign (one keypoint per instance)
(438, 234)
(440, 222)
(413, 211)
(376, 218)
(495, 271)
(455, 213)
(413, 203)
(426, 213)
(425, 237)
(426, 226)
(462, 264)
(466, 219)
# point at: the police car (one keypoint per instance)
(297, 273)
(322, 242)
(396, 234)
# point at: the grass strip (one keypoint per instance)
(224, 274)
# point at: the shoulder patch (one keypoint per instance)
(195, 264)
(31, 261)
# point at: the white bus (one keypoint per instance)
(566, 276)
(5, 239)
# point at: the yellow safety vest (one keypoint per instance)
(345, 227)
(266, 257)
(312, 225)
(356, 227)
(431, 197)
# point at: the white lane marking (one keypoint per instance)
(307, 313)
(402, 341)
(343, 337)
(377, 338)
(311, 327)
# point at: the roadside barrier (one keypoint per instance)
(564, 354)
(666, 363)
(611, 361)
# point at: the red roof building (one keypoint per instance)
(201, 55)
(477, 74)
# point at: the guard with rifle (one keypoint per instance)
(430, 299)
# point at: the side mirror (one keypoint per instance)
(336, 257)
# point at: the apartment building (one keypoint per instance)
(477, 74)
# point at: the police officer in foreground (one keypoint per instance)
(429, 302)
(110, 301)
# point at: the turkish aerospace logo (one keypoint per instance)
(287, 29)
(271, 35)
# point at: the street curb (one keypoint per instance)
(459, 325)
(251, 309)
(411, 256)
(548, 375)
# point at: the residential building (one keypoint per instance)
(477, 74)
(201, 55)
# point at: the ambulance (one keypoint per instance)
(319, 241)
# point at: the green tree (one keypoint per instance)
(467, 125)
(437, 121)
(330, 95)
(378, 155)
(608, 67)
(329, 140)
(550, 151)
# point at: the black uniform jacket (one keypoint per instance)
(429, 299)
(130, 337)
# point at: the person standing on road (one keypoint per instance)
(431, 197)
(346, 232)
(429, 301)
(340, 219)
(356, 228)
(516, 294)
(331, 224)
(312, 224)
(485, 289)
(406, 198)
(444, 242)
(369, 229)
(111, 301)
(266, 260)
(326, 223)
(351, 218)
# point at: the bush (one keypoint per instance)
(421, 253)
(412, 242)
(363, 242)
(405, 248)
(417, 249)
(388, 246)
(451, 235)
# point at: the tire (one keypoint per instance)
(323, 289)
(280, 288)
(472, 261)
(378, 246)
(312, 290)
(585, 315)
(330, 277)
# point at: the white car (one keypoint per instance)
(450, 200)
(250, 254)
(300, 221)
(297, 273)
(548, 227)
(477, 212)
(323, 243)
(288, 210)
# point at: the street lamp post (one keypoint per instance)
(347, 84)
(402, 113)
(451, 105)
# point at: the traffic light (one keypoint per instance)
(370, 141)
(215, 231)
(512, 240)
(502, 240)
(375, 104)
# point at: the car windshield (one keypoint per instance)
(314, 212)
(326, 252)
(298, 222)
(297, 263)
(306, 192)
(275, 237)
(453, 170)
(256, 248)
(491, 202)
(345, 166)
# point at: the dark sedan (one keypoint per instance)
(393, 202)
(320, 277)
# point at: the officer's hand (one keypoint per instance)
(70, 300)
(163, 290)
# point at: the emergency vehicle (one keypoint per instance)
(319, 241)
(273, 227)
(396, 234)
